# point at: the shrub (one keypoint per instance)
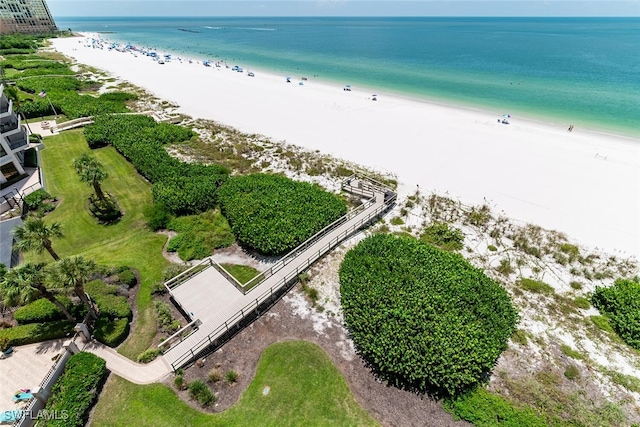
(77, 389)
(199, 235)
(157, 216)
(231, 376)
(519, 337)
(165, 318)
(621, 304)
(37, 332)
(214, 376)
(443, 236)
(149, 355)
(35, 200)
(97, 287)
(572, 372)
(582, 302)
(492, 248)
(575, 285)
(42, 310)
(422, 317)
(111, 332)
(535, 286)
(178, 382)
(485, 409)
(568, 351)
(198, 390)
(396, 221)
(602, 323)
(128, 278)
(505, 267)
(113, 306)
(274, 214)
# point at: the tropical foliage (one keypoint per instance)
(77, 389)
(621, 304)
(422, 317)
(182, 187)
(35, 235)
(37, 332)
(42, 310)
(198, 235)
(274, 214)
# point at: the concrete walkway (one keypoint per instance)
(136, 373)
(25, 368)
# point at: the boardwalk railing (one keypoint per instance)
(254, 305)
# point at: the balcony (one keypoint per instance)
(5, 105)
(2, 152)
(9, 125)
(18, 140)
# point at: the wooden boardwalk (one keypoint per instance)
(216, 306)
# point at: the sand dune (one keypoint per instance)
(584, 183)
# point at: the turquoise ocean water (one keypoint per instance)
(584, 71)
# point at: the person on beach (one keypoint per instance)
(570, 128)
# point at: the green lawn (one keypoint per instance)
(242, 273)
(126, 242)
(306, 389)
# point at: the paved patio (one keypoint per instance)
(26, 367)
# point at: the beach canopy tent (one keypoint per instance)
(347, 87)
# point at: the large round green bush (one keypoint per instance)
(422, 317)
(621, 304)
(273, 214)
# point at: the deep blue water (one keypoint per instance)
(584, 71)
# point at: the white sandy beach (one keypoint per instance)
(585, 184)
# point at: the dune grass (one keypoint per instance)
(306, 389)
(127, 242)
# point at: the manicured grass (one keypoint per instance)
(306, 389)
(242, 273)
(127, 242)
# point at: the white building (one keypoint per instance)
(16, 153)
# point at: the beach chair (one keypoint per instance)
(21, 396)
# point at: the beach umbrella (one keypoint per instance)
(506, 115)
(347, 85)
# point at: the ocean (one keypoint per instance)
(581, 71)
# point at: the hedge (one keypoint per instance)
(128, 278)
(42, 310)
(111, 332)
(621, 304)
(109, 304)
(182, 187)
(98, 287)
(76, 390)
(37, 332)
(199, 235)
(273, 214)
(422, 317)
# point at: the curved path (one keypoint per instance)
(136, 373)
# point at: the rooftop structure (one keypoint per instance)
(26, 17)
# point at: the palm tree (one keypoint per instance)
(74, 272)
(35, 235)
(27, 283)
(92, 172)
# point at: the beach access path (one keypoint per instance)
(218, 305)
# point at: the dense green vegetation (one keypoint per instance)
(18, 44)
(443, 236)
(198, 235)
(76, 390)
(306, 389)
(274, 214)
(37, 332)
(42, 310)
(422, 317)
(184, 188)
(485, 409)
(112, 325)
(621, 304)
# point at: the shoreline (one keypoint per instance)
(585, 183)
(550, 119)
